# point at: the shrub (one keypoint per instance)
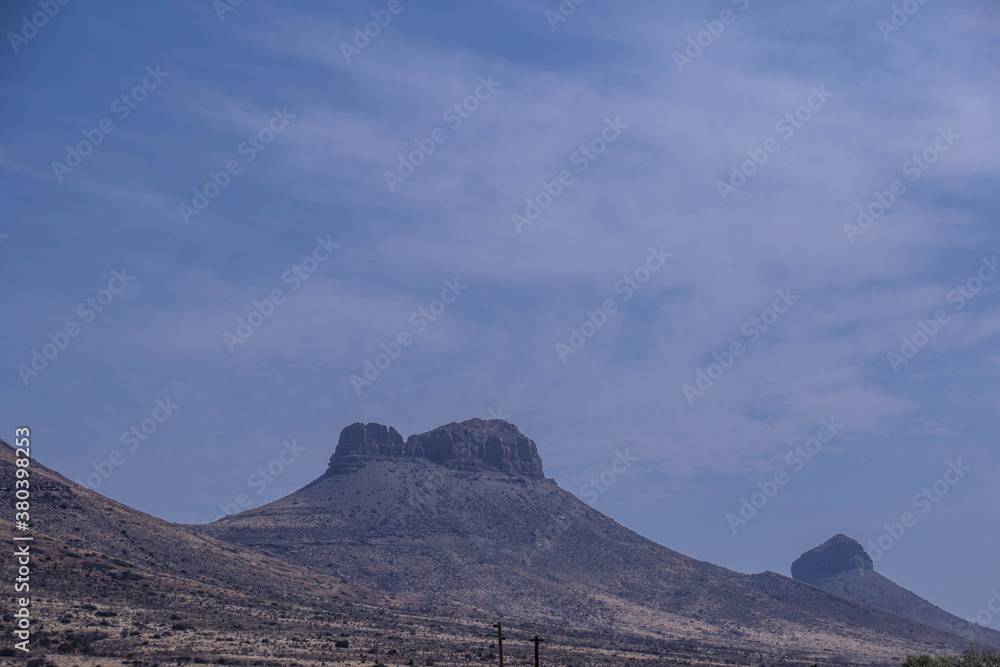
(970, 658)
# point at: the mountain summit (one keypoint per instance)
(838, 554)
(470, 445)
(841, 566)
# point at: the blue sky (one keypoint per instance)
(315, 196)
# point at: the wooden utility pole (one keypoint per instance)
(499, 627)
(537, 639)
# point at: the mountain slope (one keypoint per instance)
(73, 515)
(841, 565)
(480, 526)
(108, 580)
(114, 586)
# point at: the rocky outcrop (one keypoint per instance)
(841, 566)
(492, 443)
(473, 444)
(370, 440)
(360, 442)
(836, 555)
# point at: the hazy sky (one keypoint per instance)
(211, 157)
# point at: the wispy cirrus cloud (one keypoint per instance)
(656, 186)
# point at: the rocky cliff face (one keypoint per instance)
(370, 440)
(361, 442)
(474, 444)
(836, 555)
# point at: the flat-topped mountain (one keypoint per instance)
(473, 444)
(462, 516)
(841, 565)
(413, 552)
